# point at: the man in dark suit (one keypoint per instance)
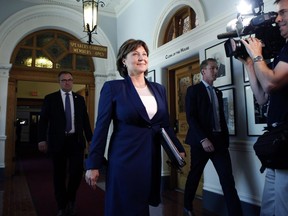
(208, 138)
(61, 134)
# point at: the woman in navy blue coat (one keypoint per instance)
(138, 109)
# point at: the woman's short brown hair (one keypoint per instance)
(127, 47)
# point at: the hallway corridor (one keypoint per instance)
(18, 198)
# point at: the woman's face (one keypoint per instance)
(136, 61)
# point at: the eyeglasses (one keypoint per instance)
(66, 80)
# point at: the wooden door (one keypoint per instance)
(181, 76)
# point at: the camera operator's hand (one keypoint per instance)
(247, 61)
(253, 46)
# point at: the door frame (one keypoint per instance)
(16, 75)
(193, 65)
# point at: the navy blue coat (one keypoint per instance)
(134, 155)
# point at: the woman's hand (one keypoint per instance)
(91, 177)
(182, 154)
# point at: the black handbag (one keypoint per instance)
(175, 158)
(272, 147)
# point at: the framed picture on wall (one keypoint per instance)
(224, 64)
(256, 115)
(151, 76)
(229, 109)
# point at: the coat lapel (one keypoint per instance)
(60, 102)
(75, 99)
(136, 100)
(204, 90)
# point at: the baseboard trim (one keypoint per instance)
(215, 203)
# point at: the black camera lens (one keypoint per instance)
(263, 27)
(235, 48)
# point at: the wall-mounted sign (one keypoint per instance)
(87, 49)
(177, 52)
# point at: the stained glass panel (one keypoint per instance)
(44, 38)
(24, 57)
(42, 61)
(28, 42)
(66, 62)
(183, 21)
(82, 63)
(186, 24)
(55, 50)
(64, 40)
(50, 49)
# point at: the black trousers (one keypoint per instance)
(222, 163)
(67, 172)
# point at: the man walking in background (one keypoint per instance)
(63, 122)
(208, 138)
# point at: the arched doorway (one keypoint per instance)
(38, 58)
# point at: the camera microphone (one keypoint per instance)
(227, 35)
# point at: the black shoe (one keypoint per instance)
(71, 209)
(187, 212)
(61, 212)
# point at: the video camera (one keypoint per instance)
(261, 24)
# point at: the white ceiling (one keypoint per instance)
(112, 7)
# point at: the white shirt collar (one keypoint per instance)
(205, 83)
(64, 93)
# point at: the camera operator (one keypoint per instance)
(272, 84)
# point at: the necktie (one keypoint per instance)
(68, 113)
(216, 125)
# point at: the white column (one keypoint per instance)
(4, 75)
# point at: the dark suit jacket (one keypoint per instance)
(134, 156)
(52, 122)
(199, 116)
